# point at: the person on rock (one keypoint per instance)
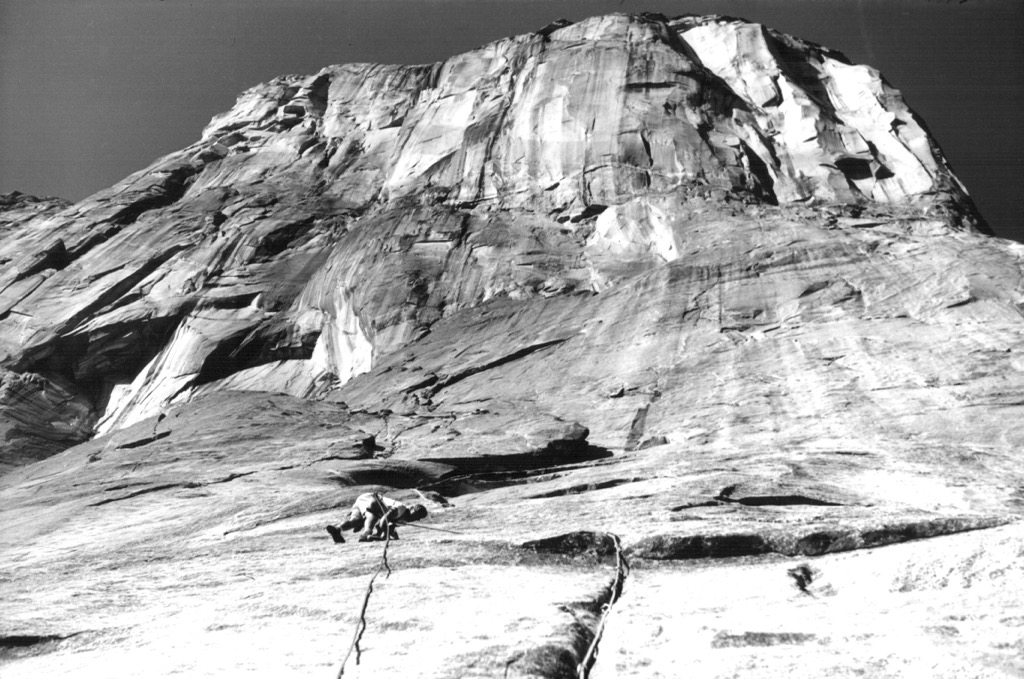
(372, 514)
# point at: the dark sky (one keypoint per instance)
(91, 90)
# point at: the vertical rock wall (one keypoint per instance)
(328, 220)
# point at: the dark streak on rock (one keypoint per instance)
(672, 547)
(709, 503)
(636, 427)
(143, 441)
(583, 488)
(166, 486)
(725, 495)
(54, 257)
(589, 212)
(23, 640)
(496, 471)
(667, 547)
(577, 543)
(723, 640)
(439, 383)
(13, 646)
(646, 86)
(781, 500)
(151, 489)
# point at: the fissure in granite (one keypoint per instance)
(687, 291)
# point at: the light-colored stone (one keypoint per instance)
(692, 283)
(942, 608)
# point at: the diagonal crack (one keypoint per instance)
(166, 486)
(138, 443)
(434, 384)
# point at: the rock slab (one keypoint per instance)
(683, 330)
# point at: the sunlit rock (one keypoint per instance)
(683, 323)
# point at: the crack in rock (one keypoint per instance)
(576, 543)
(434, 383)
(725, 495)
(672, 547)
(496, 471)
(23, 640)
(585, 488)
(167, 486)
(614, 593)
(575, 657)
(144, 441)
(779, 501)
(21, 645)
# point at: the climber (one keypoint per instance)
(372, 514)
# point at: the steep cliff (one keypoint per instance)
(631, 290)
(328, 220)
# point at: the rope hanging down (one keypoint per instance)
(382, 566)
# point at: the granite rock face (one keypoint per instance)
(327, 221)
(682, 319)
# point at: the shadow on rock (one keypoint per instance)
(485, 472)
(576, 543)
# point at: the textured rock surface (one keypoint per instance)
(691, 282)
(17, 208)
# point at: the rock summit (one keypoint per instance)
(684, 331)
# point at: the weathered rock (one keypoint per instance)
(17, 208)
(328, 220)
(689, 295)
(40, 418)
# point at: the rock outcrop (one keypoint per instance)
(617, 300)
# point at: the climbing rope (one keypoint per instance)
(416, 525)
(621, 570)
(383, 565)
